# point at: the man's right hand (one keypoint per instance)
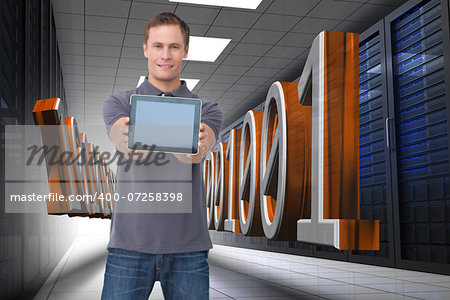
(119, 135)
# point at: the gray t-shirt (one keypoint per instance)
(160, 233)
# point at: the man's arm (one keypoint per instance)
(207, 140)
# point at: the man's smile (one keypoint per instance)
(165, 66)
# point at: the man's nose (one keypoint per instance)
(166, 53)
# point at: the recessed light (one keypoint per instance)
(190, 83)
(205, 48)
(250, 4)
(141, 80)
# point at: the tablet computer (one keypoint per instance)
(168, 124)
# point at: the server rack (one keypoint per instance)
(417, 48)
(375, 190)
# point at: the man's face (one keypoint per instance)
(165, 50)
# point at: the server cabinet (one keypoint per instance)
(375, 190)
(417, 51)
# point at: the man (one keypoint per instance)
(171, 248)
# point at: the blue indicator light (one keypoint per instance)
(414, 157)
(419, 144)
(410, 97)
(416, 169)
(412, 133)
(364, 105)
(419, 119)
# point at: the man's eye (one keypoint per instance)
(157, 46)
(175, 47)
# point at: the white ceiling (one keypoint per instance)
(100, 44)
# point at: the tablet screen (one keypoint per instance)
(169, 124)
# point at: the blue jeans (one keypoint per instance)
(131, 275)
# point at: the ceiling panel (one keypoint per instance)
(129, 52)
(285, 51)
(71, 48)
(70, 35)
(220, 78)
(134, 40)
(258, 36)
(69, 21)
(193, 67)
(101, 61)
(100, 79)
(245, 87)
(251, 49)
(108, 8)
(72, 59)
(315, 25)
(146, 11)
(276, 22)
(218, 87)
(137, 26)
(198, 30)
(74, 78)
(352, 26)
(100, 71)
(333, 9)
(201, 76)
(262, 72)
(271, 62)
(235, 34)
(240, 60)
(104, 38)
(98, 50)
(68, 6)
(230, 70)
(297, 39)
(190, 14)
(292, 7)
(128, 81)
(370, 13)
(236, 18)
(107, 24)
(247, 79)
(72, 69)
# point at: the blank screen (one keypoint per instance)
(164, 124)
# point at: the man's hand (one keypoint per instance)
(206, 140)
(119, 135)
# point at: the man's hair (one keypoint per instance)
(168, 18)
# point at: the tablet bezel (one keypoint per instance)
(132, 145)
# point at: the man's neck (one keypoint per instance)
(165, 87)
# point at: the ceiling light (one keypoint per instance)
(141, 80)
(206, 48)
(250, 4)
(191, 83)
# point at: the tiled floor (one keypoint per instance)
(237, 273)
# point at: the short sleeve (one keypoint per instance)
(212, 116)
(114, 108)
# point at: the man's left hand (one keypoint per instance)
(206, 140)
